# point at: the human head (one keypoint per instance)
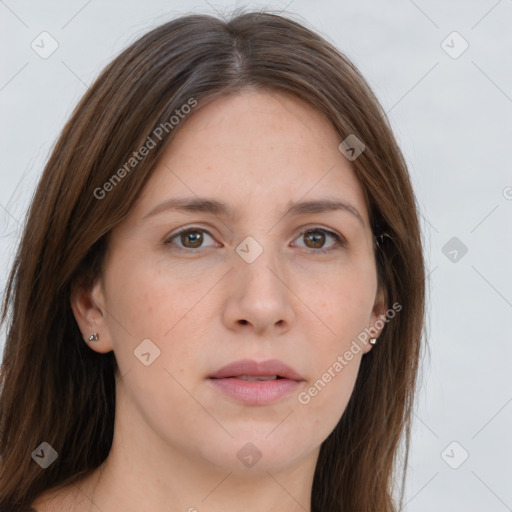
(202, 58)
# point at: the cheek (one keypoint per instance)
(147, 303)
(150, 298)
(326, 396)
(340, 302)
(322, 402)
(158, 313)
(335, 364)
(343, 304)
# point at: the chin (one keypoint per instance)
(256, 453)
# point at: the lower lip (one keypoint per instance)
(259, 392)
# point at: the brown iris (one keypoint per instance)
(193, 236)
(316, 237)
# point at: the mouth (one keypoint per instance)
(271, 369)
(252, 378)
(256, 383)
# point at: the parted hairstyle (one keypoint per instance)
(54, 388)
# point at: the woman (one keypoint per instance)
(218, 298)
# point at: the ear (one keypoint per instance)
(89, 309)
(377, 318)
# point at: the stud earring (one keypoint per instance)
(94, 337)
(373, 341)
(380, 238)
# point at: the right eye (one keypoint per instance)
(190, 238)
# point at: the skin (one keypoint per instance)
(176, 437)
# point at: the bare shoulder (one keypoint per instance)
(51, 502)
(73, 497)
(68, 499)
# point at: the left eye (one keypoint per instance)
(193, 238)
(317, 237)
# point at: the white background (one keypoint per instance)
(453, 120)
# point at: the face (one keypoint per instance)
(255, 277)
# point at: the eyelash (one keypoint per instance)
(340, 242)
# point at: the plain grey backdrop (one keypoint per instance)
(443, 72)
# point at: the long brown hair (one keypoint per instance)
(55, 389)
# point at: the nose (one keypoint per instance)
(259, 296)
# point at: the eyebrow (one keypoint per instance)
(209, 205)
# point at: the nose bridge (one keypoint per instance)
(260, 261)
(259, 295)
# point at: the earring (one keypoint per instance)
(94, 337)
(373, 341)
(380, 238)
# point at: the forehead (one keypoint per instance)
(255, 148)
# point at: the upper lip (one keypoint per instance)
(254, 368)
